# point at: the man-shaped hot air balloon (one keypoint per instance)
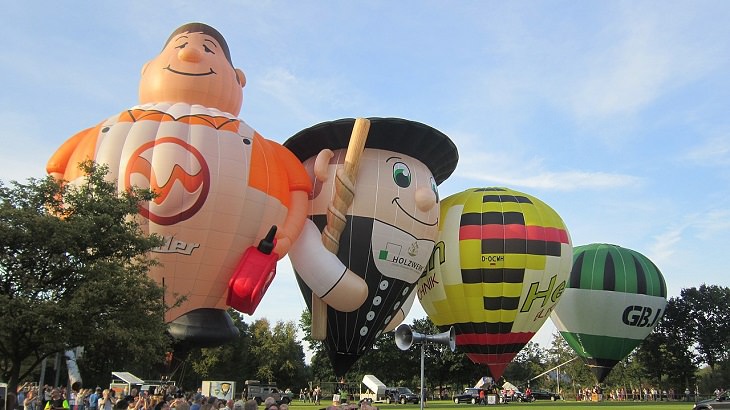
(221, 186)
(387, 233)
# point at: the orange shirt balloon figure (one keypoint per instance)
(221, 186)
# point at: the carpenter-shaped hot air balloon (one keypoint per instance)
(496, 273)
(614, 298)
(221, 186)
(382, 219)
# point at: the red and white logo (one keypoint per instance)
(177, 172)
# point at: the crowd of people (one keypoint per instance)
(311, 396)
(648, 393)
(30, 397)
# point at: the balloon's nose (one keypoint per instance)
(425, 199)
(189, 54)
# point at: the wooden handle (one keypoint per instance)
(356, 146)
(336, 212)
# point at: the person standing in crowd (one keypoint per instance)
(71, 397)
(45, 394)
(94, 399)
(57, 401)
(31, 400)
(317, 395)
(22, 391)
(269, 402)
(250, 405)
(106, 401)
(179, 403)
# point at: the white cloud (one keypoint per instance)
(711, 224)
(307, 98)
(497, 169)
(642, 55)
(623, 77)
(684, 246)
(664, 246)
(714, 151)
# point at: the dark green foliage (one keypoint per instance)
(73, 272)
(262, 352)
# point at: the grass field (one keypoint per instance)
(538, 405)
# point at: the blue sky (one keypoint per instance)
(615, 113)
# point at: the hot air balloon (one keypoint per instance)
(496, 273)
(223, 190)
(386, 219)
(614, 298)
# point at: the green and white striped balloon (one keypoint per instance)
(614, 298)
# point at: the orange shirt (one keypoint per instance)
(269, 159)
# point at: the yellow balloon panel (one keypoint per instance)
(500, 267)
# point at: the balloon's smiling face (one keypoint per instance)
(391, 187)
(193, 68)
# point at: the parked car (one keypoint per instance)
(720, 402)
(401, 395)
(539, 394)
(513, 395)
(470, 395)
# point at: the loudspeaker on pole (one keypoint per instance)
(405, 337)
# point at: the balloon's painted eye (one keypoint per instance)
(182, 45)
(207, 49)
(435, 189)
(401, 175)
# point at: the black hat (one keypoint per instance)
(426, 144)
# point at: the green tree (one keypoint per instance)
(528, 363)
(260, 352)
(73, 267)
(665, 354)
(706, 313)
(561, 354)
(441, 363)
(231, 361)
(277, 354)
(320, 369)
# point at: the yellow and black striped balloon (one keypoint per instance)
(498, 270)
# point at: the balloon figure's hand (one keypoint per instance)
(282, 247)
(324, 273)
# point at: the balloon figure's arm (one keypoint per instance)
(324, 273)
(300, 184)
(292, 227)
(76, 149)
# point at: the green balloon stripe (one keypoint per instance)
(613, 268)
(600, 347)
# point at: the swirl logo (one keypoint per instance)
(177, 172)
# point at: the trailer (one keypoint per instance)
(224, 390)
(123, 383)
(375, 390)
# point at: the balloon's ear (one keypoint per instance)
(321, 163)
(144, 67)
(241, 77)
